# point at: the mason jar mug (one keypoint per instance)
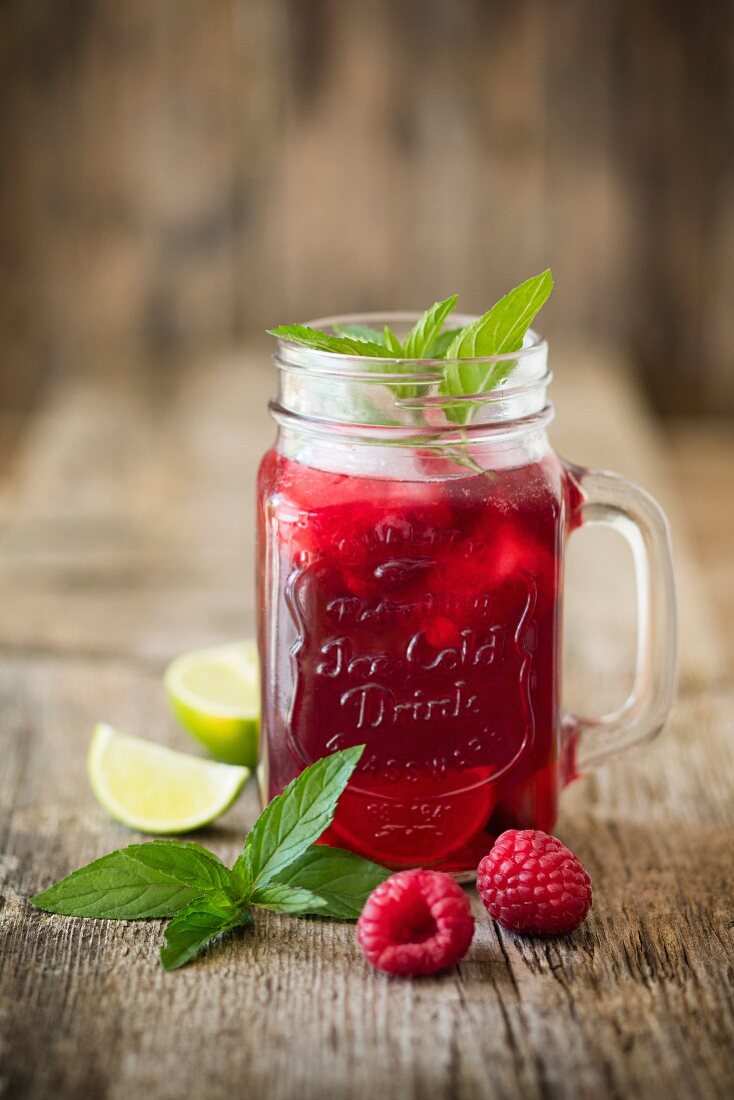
(410, 584)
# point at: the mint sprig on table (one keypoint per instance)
(281, 868)
(499, 331)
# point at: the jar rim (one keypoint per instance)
(391, 392)
(290, 351)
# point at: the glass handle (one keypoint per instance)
(612, 500)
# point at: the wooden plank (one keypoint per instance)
(119, 219)
(702, 463)
(125, 536)
(181, 171)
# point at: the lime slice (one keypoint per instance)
(157, 790)
(215, 694)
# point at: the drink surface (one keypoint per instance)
(421, 619)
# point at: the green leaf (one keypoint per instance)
(143, 880)
(188, 862)
(391, 341)
(426, 329)
(343, 880)
(296, 818)
(500, 331)
(197, 925)
(323, 341)
(503, 327)
(360, 332)
(438, 348)
(288, 899)
(400, 389)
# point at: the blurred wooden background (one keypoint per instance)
(179, 173)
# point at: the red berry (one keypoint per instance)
(416, 922)
(530, 882)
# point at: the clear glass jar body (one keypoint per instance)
(410, 593)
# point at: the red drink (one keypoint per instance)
(422, 619)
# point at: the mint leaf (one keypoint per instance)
(395, 348)
(288, 899)
(426, 329)
(503, 327)
(343, 880)
(500, 331)
(143, 880)
(198, 924)
(391, 341)
(296, 818)
(361, 332)
(438, 348)
(184, 860)
(323, 341)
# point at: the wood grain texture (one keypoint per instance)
(187, 170)
(702, 463)
(125, 537)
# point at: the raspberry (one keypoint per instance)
(416, 922)
(530, 882)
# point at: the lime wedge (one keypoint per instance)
(157, 790)
(215, 694)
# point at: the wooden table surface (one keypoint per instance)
(126, 537)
